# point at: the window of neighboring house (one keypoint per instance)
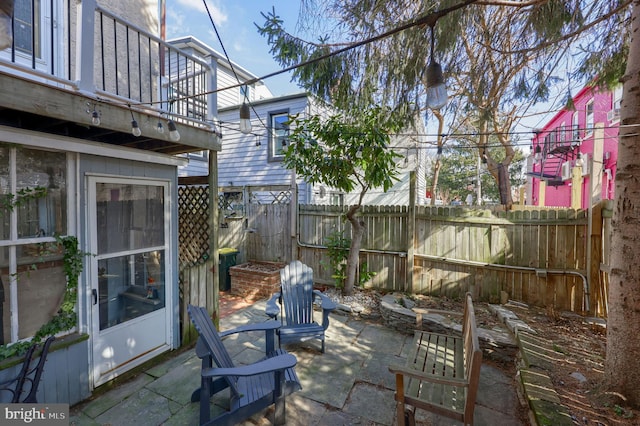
(576, 127)
(562, 133)
(198, 155)
(616, 101)
(278, 134)
(33, 209)
(589, 121)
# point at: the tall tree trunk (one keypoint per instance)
(623, 325)
(353, 261)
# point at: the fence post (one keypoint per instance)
(411, 226)
(213, 294)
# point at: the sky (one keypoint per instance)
(234, 20)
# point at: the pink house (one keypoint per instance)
(575, 153)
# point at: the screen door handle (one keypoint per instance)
(94, 293)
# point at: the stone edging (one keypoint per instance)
(545, 407)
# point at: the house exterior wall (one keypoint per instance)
(72, 382)
(579, 137)
(244, 159)
(66, 97)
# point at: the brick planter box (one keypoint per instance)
(255, 280)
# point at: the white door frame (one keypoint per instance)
(124, 346)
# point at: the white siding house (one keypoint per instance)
(254, 159)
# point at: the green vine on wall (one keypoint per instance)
(66, 318)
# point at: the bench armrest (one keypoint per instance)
(280, 362)
(416, 374)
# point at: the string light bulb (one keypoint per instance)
(135, 129)
(160, 128)
(245, 119)
(174, 135)
(436, 89)
(95, 118)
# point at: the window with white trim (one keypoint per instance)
(617, 98)
(616, 101)
(278, 134)
(589, 119)
(33, 210)
(576, 127)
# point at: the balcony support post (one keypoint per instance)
(85, 49)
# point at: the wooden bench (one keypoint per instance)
(442, 373)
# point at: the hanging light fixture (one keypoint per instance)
(436, 89)
(174, 135)
(95, 115)
(95, 118)
(245, 118)
(135, 129)
(160, 127)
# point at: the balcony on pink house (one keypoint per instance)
(577, 146)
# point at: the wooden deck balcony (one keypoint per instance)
(91, 73)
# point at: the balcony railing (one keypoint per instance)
(83, 47)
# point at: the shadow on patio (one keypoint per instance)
(349, 384)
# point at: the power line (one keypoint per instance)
(226, 55)
(427, 19)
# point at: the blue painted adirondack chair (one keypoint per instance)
(253, 387)
(294, 304)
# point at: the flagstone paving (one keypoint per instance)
(348, 384)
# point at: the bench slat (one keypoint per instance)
(442, 372)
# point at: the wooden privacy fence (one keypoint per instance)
(534, 256)
(555, 258)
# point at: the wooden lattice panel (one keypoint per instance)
(193, 224)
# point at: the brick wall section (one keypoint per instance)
(258, 283)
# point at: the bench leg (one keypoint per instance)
(406, 415)
(410, 416)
